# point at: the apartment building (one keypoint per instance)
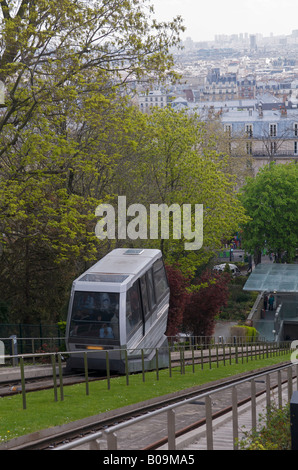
(151, 99)
(266, 135)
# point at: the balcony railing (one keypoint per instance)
(279, 153)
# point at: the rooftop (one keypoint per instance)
(273, 278)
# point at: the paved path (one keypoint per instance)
(223, 427)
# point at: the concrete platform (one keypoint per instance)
(14, 373)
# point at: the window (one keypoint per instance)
(296, 129)
(150, 285)
(273, 130)
(249, 130)
(145, 301)
(273, 147)
(133, 309)
(228, 129)
(95, 315)
(249, 148)
(296, 148)
(160, 279)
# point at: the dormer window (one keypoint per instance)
(249, 130)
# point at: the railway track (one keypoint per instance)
(72, 432)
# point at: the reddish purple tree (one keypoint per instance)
(205, 303)
(178, 299)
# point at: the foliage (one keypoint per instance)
(244, 331)
(239, 303)
(71, 140)
(274, 432)
(62, 326)
(178, 299)
(64, 129)
(209, 295)
(176, 165)
(270, 200)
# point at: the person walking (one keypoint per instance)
(271, 302)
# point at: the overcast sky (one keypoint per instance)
(205, 18)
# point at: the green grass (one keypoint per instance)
(43, 411)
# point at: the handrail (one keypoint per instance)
(169, 410)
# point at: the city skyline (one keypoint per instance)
(205, 20)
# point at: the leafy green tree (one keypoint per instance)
(174, 164)
(270, 200)
(63, 131)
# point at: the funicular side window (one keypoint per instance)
(145, 301)
(160, 279)
(150, 285)
(134, 316)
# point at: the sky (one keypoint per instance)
(206, 18)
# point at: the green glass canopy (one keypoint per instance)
(273, 277)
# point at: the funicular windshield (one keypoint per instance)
(95, 315)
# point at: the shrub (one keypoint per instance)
(242, 331)
(274, 433)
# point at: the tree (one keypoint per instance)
(209, 295)
(238, 161)
(175, 164)
(179, 297)
(62, 130)
(45, 45)
(270, 200)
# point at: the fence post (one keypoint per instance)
(279, 384)
(14, 349)
(290, 383)
(23, 383)
(171, 430)
(60, 378)
(294, 420)
(143, 365)
(253, 405)
(193, 359)
(202, 356)
(268, 391)
(235, 417)
(209, 352)
(108, 370)
(112, 441)
(209, 430)
(170, 362)
(53, 358)
(86, 372)
(126, 368)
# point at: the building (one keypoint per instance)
(266, 135)
(151, 99)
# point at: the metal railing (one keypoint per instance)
(186, 355)
(16, 345)
(110, 434)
